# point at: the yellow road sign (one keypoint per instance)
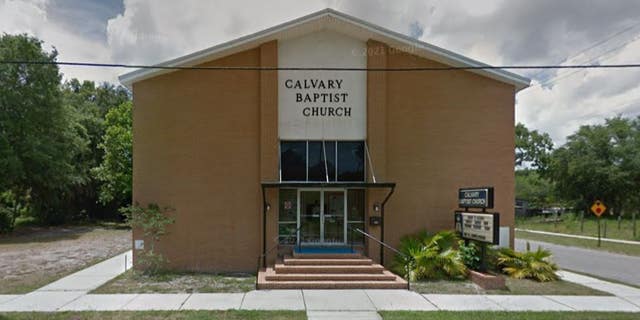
(598, 208)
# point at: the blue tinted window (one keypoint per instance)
(350, 161)
(293, 160)
(317, 160)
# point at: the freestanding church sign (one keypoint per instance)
(322, 104)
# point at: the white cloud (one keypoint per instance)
(495, 32)
(583, 97)
(31, 17)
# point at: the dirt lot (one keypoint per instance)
(34, 257)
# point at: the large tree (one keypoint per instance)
(532, 148)
(39, 136)
(91, 104)
(600, 162)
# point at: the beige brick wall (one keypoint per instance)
(203, 141)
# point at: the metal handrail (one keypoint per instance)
(264, 255)
(384, 245)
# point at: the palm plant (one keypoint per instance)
(536, 265)
(427, 256)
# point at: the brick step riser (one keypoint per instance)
(328, 262)
(327, 256)
(328, 277)
(324, 269)
(332, 285)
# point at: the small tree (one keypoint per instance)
(153, 221)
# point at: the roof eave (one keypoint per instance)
(440, 54)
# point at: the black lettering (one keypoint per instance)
(339, 82)
(314, 111)
(298, 97)
(288, 83)
(305, 112)
(330, 111)
(347, 112)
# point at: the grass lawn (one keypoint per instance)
(489, 315)
(514, 286)
(152, 315)
(570, 224)
(628, 249)
(178, 282)
(33, 256)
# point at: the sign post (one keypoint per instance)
(483, 226)
(598, 208)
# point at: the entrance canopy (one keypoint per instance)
(322, 185)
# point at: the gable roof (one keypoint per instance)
(329, 19)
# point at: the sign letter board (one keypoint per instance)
(483, 227)
(475, 197)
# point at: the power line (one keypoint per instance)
(594, 45)
(242, 68)
(619, 47)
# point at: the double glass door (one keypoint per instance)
(322, 216)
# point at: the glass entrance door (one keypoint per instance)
(322, 217)
(333, 217)
(310, 217)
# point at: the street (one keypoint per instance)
(598, 263)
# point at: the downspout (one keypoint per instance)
(264, 227)
(382, 224)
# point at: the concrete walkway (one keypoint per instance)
(71, 294)
(579, 236)
(68, 289)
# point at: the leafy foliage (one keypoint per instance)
(532, 148)
(115, 171)
(152, 220)
(535, 265)
(40, 135)
(430, 256)
(535, 188)
(11, 207)
(49, 135)
(470, 254)
(600, 162)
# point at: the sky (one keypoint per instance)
(497, 32)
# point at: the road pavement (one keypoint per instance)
(603, 264)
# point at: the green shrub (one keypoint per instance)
(153, 221)
(11, 207)
(470, 254)
(535, 265)
(7, 219)
(427, 256)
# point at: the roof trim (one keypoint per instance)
(253, 40)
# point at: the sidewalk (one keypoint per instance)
(68, 289)
(71, 294)
(579, 236)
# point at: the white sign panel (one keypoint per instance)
(320, 104)
(480, 227)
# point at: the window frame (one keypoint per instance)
(336, 157)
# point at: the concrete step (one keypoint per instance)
(331, 269)
(271, 275)
(332, 284)
(326, 261)
(298, 255)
